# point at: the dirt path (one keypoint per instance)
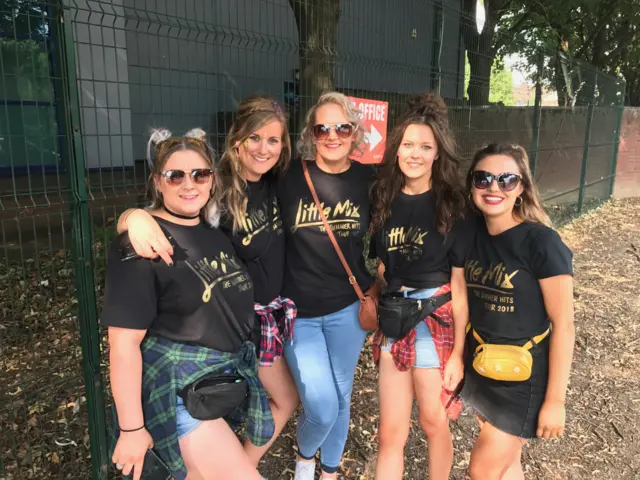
(603, 433)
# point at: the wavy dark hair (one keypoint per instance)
(426, 109)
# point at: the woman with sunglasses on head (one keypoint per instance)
(258, 148)
(421, 240)
(328, 337)
(170, 327)
(520, 289)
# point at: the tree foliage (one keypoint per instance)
(572, 34)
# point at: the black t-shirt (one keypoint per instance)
(260, 243)
(314, 276)
(412, 250)
(205, 298)
(502, 273)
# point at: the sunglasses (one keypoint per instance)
(506, 181)
(323, 130)
(199, 176)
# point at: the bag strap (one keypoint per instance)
(327, 227)
(527, 346)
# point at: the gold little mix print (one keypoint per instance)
(408, 241)
(222, 270)
(494, 285)
(257, 220)
(343, 218)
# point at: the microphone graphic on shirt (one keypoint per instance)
(211, 273)
(256, 221)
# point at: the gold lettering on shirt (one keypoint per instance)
(399, 239)
(222, 268)
(494, 276)
(344, 216)
(257, 221)
(486, 283)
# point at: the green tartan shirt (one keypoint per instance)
(169, 366)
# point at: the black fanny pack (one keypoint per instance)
(214, 395)
(398, 315)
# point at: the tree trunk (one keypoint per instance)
(317, 22)
(480, 48)
(480, 79)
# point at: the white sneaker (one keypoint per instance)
(305, 470)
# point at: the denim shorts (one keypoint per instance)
(185, 423)
(426, 353)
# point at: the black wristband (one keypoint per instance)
(134, 430)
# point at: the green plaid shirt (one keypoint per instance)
(170, 366)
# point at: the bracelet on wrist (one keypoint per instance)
(133, 430)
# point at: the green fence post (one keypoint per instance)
(83, 255)
(585, 158)
(617, 134)
(537, 117)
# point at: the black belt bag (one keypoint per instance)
(398, 315)
(214, 395)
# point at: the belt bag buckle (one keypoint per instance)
(505, 363)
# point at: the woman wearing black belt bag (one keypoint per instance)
(520, 284)
(421, 240)
(170, 326)
(258, 151)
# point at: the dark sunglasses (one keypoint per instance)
(199, 176)
(323, 130)
(506, 181)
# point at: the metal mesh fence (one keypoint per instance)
(81, 84)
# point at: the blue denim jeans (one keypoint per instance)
(323, 360)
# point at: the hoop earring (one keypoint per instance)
(516, 202)
(472, 205)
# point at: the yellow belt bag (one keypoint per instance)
(506, 363)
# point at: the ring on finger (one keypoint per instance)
(118, 466)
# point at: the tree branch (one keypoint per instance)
(603, 21)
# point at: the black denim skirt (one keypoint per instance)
(512, 407)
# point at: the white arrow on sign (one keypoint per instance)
(374, 138)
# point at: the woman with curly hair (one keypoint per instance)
(421, 240)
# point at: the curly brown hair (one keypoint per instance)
(426, 109)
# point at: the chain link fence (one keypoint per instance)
(81, 84)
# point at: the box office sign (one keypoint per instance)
(373, 114)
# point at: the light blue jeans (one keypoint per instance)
(323, 360)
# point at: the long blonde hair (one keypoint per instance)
(161, 145)
(253, 113)
(306, 147)
(530, 209)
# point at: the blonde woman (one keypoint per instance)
(258, 150)
(170, 326)
(327, 335)
(520, 291)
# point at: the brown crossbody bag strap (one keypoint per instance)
(352, 278)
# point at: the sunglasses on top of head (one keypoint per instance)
(199, 176)
(322, 131)
(506, 181)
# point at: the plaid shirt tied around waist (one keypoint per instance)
(169, 366)
(276, 324)
(403, 350)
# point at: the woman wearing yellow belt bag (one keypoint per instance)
(520, 293)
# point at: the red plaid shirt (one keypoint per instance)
(403, 351)
(276, 324)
